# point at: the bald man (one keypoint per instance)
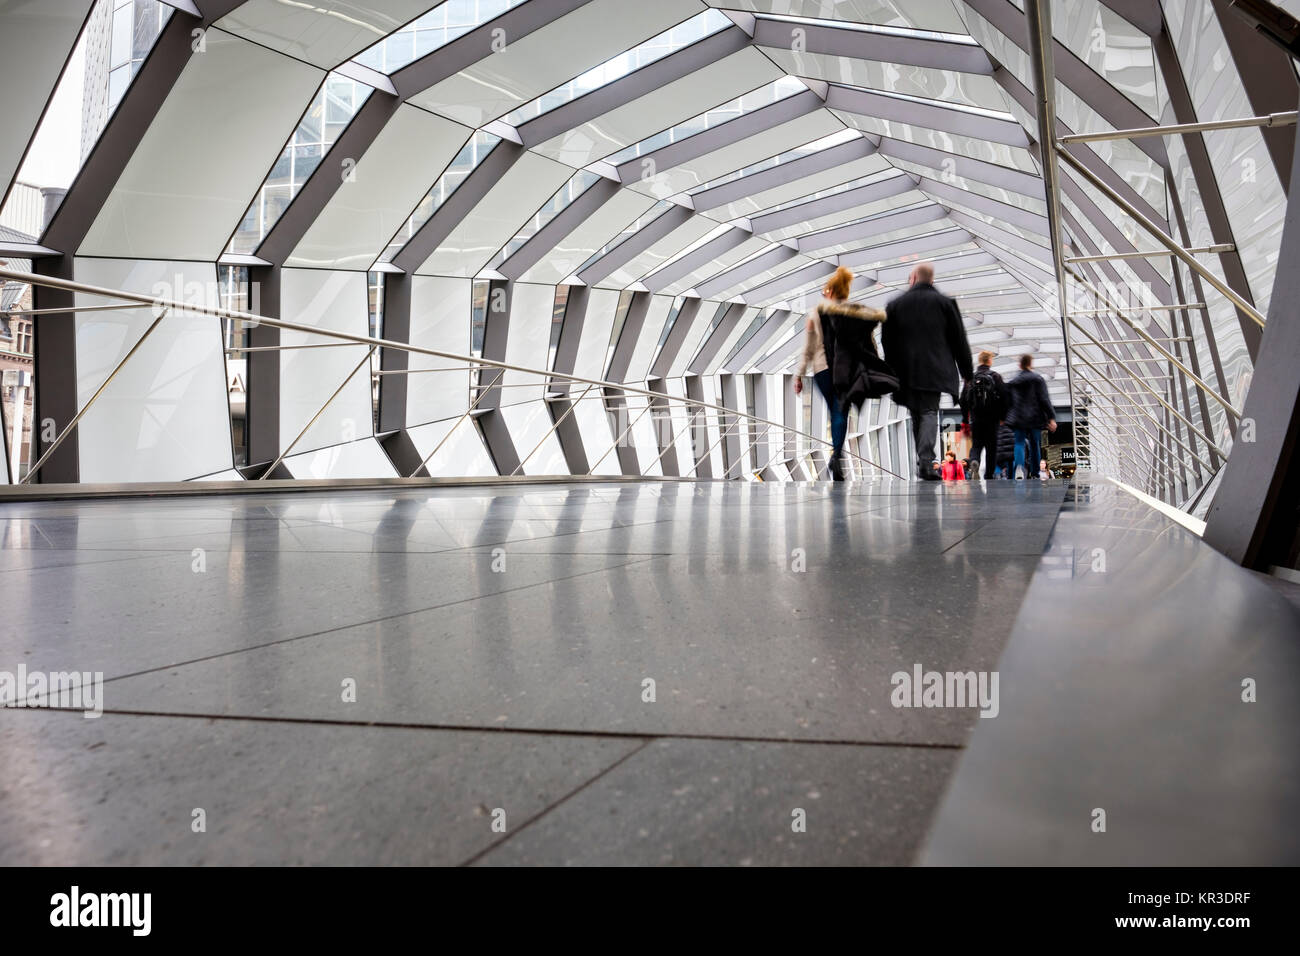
(925, 342)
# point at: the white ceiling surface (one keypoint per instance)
(223, 125)
(665, 106)
(970, 89)
(378, 193)
(526, 68)
(497, 217)
(588, 237)
(733, 156)
(323, 32)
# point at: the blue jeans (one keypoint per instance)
(1029, 437)
(839, 415)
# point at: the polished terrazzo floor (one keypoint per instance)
(452, 676)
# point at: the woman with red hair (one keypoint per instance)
(819, 350)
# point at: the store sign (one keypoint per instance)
(1067, 456)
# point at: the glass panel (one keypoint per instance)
(657, 210)
(122, 36)
(575, 187)
(656, 48)
(333, 107)
(471, 154)
(785, 87)
(435, 29)
(890, 30)
(816, 146)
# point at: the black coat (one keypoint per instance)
(925, 341)
(1031, 407)
(1006, 444)
(848, 336)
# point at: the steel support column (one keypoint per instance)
(1038, 13)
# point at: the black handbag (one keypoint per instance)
(880, 378)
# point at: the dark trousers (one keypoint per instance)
(839, 414)
(1027, 452)
(924, 408)
(984, 439)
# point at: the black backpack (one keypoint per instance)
(985, 402)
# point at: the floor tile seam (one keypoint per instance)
(648, 736)
(563, 798)
(51, 567)
(377, 620)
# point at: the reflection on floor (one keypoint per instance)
(624, 673)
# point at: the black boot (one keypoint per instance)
(837, 467)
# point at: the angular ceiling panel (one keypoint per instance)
(496, 218)
(324, 33)
(662, 108)
(740, 154)
(514, 72)
(380, 190)
(190, 178)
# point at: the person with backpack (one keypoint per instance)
(984, 403)
(1031, 411)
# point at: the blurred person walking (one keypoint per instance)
(838, 345)
(1006, 450)
(984, 403)
(925, 343)
(1031, 411)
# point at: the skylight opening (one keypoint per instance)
(880, 177)
(578, 184)
(433, 30)
(799, 152)
(649, 216)
(749, 102)
(874, 28)
(671, 321)
(717, 231)
(335, 105)
(466, 161)
(656, 48)
(947, 104)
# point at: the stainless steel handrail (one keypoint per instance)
(163, 307)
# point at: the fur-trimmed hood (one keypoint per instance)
(851, 310)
